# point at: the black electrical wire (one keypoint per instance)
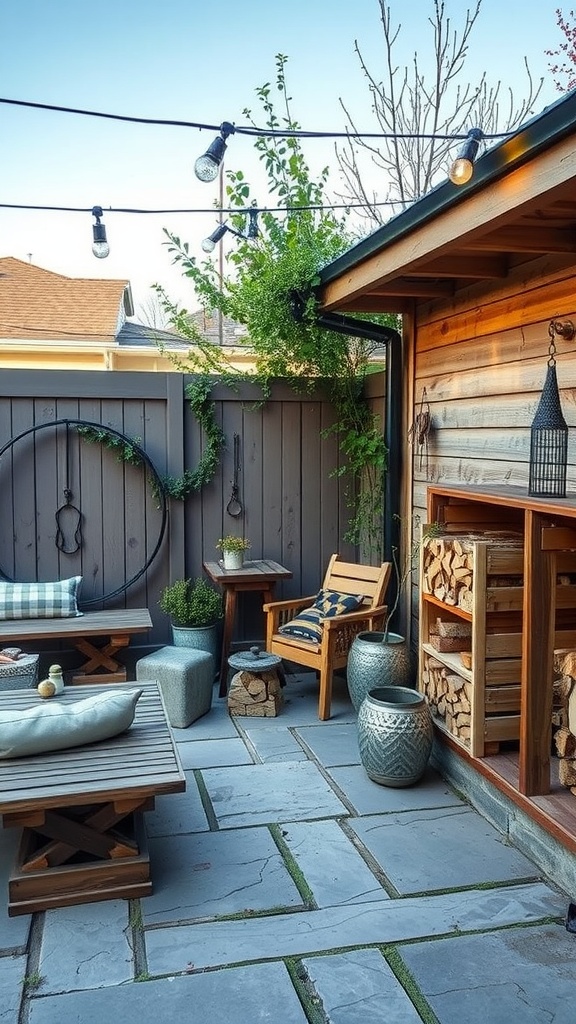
(284, 133)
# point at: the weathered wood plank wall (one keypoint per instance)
(482, 359)
(294, 508)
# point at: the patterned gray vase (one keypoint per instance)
(375, 661)
(394, 735)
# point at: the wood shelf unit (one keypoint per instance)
(479, 707)
(548, 618)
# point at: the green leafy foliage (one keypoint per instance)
(192, 602)
(270, 289)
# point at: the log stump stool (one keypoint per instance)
(255, 689)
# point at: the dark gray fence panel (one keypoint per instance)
(294, 507)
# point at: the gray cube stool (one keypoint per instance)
(185, 676)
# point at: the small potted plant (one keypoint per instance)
(195, 608)
(233, 549)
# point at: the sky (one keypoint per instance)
(200, 62)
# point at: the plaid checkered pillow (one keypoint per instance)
(39, 600)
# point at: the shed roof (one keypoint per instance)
(519, 205)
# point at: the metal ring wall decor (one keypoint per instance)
(159, 489)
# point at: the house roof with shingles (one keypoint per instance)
(39, 304)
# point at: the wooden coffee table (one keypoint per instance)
(80, 810)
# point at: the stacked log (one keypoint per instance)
(448, 567)
(448, 570)
(564, 717)
(257, 695)
(449, 697)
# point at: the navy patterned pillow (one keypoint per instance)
(39, 600)
(331, 603)
(307, 625)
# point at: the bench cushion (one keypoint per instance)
(52, 725)
(40, 600)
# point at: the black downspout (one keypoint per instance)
(392, 422)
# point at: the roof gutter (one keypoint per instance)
(392, 341)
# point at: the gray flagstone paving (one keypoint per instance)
(515, 976)
(217, 873)
(224, 942)
(288, 804)
(259, 994)
(265, 793)
(359, 988)
(411, 849)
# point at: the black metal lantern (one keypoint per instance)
(549, 431)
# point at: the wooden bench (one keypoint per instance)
(80, 809)
(101, 665)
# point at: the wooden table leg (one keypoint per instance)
(102, 665)
(229, 615)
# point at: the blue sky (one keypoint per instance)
(185, 60)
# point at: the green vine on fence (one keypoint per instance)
(198, 394)
(202, 406)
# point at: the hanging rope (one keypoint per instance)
(68, 511)
(420, 429)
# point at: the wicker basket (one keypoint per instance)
(19, 674)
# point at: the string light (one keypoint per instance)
(207, 166)
(463, 167)
(209, 244)
(100, 246)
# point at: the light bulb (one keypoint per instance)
(461, 171)
(208, 245)
(463, 167)
(205, 168)
(100, 247)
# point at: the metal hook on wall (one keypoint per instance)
(234, 506)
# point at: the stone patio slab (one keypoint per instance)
(525, 975)
(12, 974)
(241, 995)
(218, 943)
(337, 745)
(102, 951)
(331, 865)
(216, 724)
(439, 849)
(367, 797)
(177, 813)
(359, 988)
(274, 744)
(217, 873)
(300, 705)
(214, 753)
(262, 793)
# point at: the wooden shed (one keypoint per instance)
(484, 276)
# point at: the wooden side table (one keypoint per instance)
(260, 575)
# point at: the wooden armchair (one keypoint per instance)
(331, 652)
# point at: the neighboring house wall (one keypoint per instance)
(294, 507)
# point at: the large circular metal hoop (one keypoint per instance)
(158, 487)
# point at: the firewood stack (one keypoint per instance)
(448, 567)
(257, 695)
(564, 716)
(449, 697)
(447, 570)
